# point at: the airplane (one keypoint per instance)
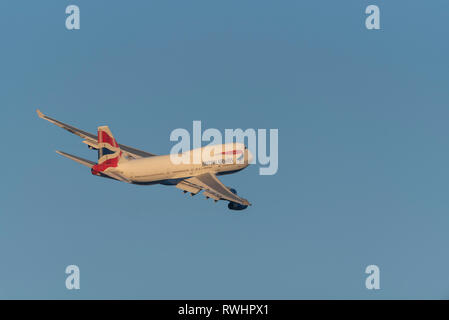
(127, 164)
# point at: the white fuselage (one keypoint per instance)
(220, 159)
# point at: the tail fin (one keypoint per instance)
(109, 152)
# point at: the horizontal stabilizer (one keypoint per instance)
(84, 162)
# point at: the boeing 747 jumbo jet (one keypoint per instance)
(127, 164)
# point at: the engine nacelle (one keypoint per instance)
(236, 206)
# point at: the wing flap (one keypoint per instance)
(215, 189)
(188, 187)
(211, 195)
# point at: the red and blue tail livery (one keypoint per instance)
(109, 152)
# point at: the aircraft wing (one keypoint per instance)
(90, 164)
(212, 187)
(84, 162)
(92, 140)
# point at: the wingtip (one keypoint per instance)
(39, 113)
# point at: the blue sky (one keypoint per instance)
(363, 148)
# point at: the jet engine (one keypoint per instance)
(234, 205)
